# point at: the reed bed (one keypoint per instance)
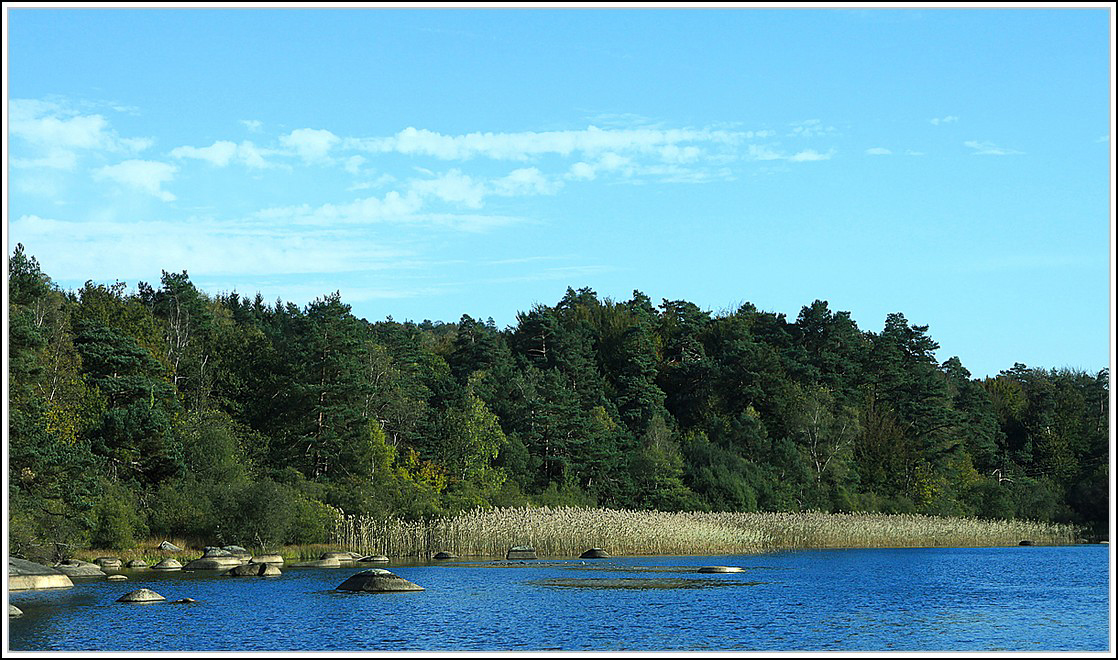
(568, 531)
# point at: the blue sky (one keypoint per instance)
(949, 164)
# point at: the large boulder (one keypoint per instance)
(340, 556)
(267, 559)
(167, 546)
(443, 556)
(215, 551)
(168, 564)
(75, 568)
(109, 563)
(594, 553)
(25, 575)
(136, 564)
(378, 580)
(254, 570)
(14, 611)
(140, 596)
(521, 552)
(212, 564)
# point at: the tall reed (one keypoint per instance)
(567, 531)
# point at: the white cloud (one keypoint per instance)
(78, 250)
(223, 152)
(57, 134)
(878, 151)
(582, 171)
(990, 149)
(146, 175)
(253, 125)
(810, 128)
(525, 181)
(353, 164)
(219, 153)
(454, 187)
(808, 155)
(949, 119)
(311, 144)
(527, 145)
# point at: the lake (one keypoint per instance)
(1039, 598)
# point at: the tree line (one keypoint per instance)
(170, 412)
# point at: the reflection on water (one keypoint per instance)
(987, 599)
(638, 583)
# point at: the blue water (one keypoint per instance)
(972, 599)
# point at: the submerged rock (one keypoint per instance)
(373, 559)
(140, 596)
(378, 580)
(1025, 543)
(183, 601)
(521, 552)
(318, 563)
(26, 575)
(14, 611)
(116, 577)
(721, 569)
(594, 553)
(168, 565)
(442, 556)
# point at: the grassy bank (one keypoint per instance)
(567, 531)
(564, 532)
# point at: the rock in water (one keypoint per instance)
(721, 569)
(373, 559)
(79, 569)
(254, 570)
(140, 596)
(521, 552)
(137, 563)
(267, 559)
(14, 611)
(594, 553)
(442, 556)
(117, 577)
(108, 562)
(378, 580)
(343, 557)
(168, 565)
(25, 575)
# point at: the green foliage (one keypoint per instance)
(231, 420)
(118, 522)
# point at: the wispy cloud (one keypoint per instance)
(146, 175)
(57, 135)
(984, 148)
(811, 128)
(224, 152)
(949, 119)
(878, 151)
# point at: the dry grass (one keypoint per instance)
(568, 531)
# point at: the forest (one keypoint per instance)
(164, 411)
